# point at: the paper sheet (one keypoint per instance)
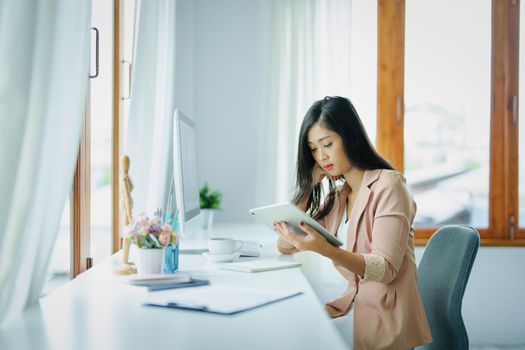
(220, 299)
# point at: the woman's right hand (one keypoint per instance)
(318, 174)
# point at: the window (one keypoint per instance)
(447, 111)
(101, 114)
(127, 39)
(465, 115)
(521, 104)
(87, 229)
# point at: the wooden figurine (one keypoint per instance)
(126, 204)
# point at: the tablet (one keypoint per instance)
(290, 213)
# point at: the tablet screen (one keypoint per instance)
(292, 215)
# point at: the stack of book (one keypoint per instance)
(161, 282)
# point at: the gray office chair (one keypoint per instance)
(442, 276)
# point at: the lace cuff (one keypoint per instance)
(283, 244)
(374, 267)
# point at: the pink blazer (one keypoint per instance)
(388, 314)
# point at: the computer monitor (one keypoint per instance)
(185, 176)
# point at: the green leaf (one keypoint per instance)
(209, 199)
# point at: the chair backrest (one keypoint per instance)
(442, 277)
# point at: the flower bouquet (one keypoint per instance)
(158, 242)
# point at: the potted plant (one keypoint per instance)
(157, 240)
(210, 202)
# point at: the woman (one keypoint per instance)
(373, 212)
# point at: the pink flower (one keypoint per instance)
(164, 238)
(167, 228)
(142, 226)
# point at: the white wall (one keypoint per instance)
(221, 67)
(222, 62)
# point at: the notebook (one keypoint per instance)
(259, 265)
(225, 300)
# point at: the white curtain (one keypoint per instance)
(44, 67)
(149, 133)
(310, 59)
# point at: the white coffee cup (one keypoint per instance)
(224, 246)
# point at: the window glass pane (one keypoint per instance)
(101, 107)
(447, 112)
(59, 268)
(521, 105)
(363, 63)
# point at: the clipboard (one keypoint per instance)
(223, 300)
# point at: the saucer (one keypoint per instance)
(221, 257)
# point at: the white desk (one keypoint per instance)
(98, 310)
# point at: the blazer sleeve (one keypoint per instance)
(392, 221)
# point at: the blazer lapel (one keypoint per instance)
(363, 196)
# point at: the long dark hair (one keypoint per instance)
(338, 115)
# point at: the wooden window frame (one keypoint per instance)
(80, 199)
(116, 244)
(81, 192)
(515, 15)
(504, 205)
(503, 192)
(390, 80)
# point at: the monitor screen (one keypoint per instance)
(185, 168)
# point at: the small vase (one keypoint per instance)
(207, 218)
(150, 261)
(170, 263)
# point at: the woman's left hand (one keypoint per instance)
(311, 241)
